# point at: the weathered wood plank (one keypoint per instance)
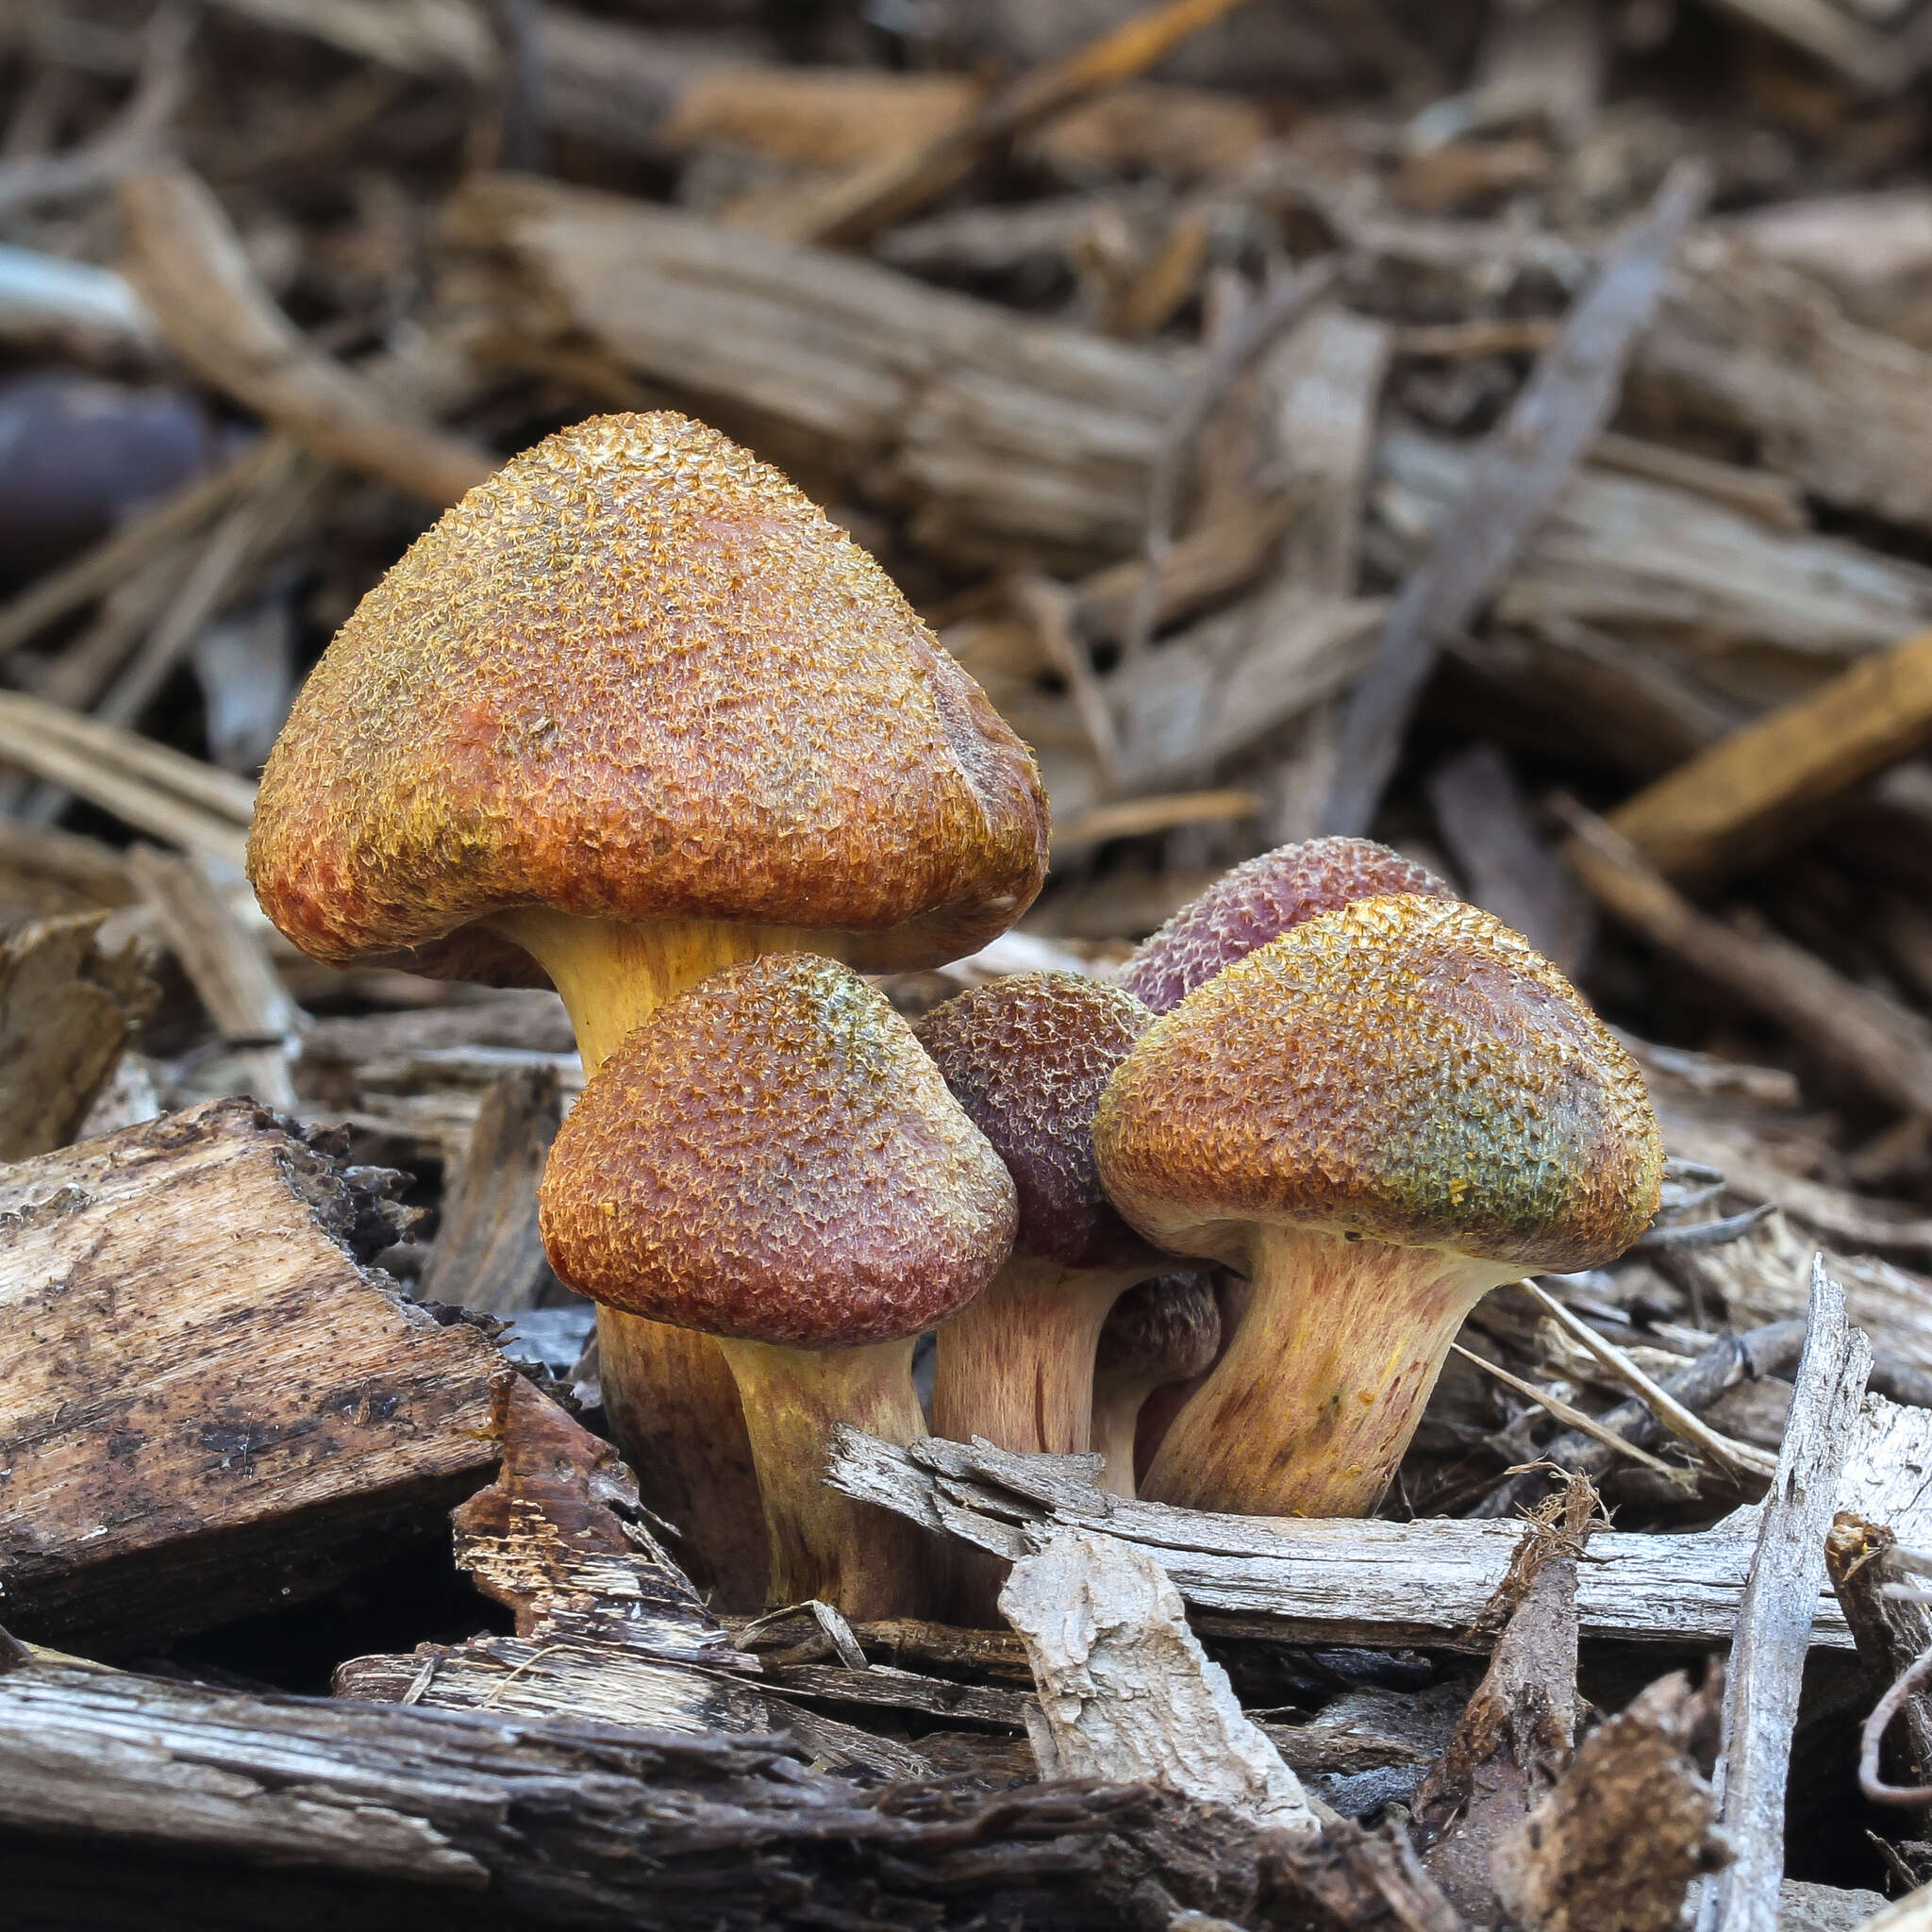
(1383, 1583)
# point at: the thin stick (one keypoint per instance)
(188, 263)
(128, 140)
(252, 529)
(114, 560)
(1885, 1045)
(1909, 1798)
(1527, 461)
(1133, 818)
(1049, 607)
(1569, 1414)
(220, 793)
(1732, 1458)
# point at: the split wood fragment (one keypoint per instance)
(488, 1253)
(227, 965)
(1125, 1690)
(1777, 1614)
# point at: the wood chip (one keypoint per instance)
(1126, 1692)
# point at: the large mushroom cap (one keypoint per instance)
(1261, 900)
(638, 675)
(1027, 1057)
(773, 1157)
(1406, 1069)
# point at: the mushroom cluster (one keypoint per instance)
(635, 719)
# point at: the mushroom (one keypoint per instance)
(1377, 1118)
(1162, 1331)
(633, 710)
(1261, 900)
(773, 1159)
(1027, 1057)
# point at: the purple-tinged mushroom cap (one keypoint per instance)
(1261, 900)
(1028, 1058)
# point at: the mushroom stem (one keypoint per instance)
(1312, 1407)
(1117, 1403)
(1016, 1366)
(613, 975)
(672, 1404)
(673, 1407)
(869, 1563)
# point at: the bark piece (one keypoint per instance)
(1126, 1690)
(1371, 1582)
(488, 1253)
(1614, 1846)
(607, 1625)
(1518, 1731)
(1845, 409)
(67, 1008)
(1777, 1611)
(991, 430)
(559, 1540)
(1530, 457)
(211, 1405)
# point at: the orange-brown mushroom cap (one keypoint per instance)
(638, 675)
(773, 1157)
(1405, 1068)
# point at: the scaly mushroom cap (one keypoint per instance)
(1170, 1326)
(1027, 1057)
(1406, 1068)
(773, 1157)
(638, 675)
(1261, 900)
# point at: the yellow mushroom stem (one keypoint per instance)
(1310, 1411)
(869, 1562)
(612, 976)
(1117, 1403)
(1016, 1366)
(672, 1404)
